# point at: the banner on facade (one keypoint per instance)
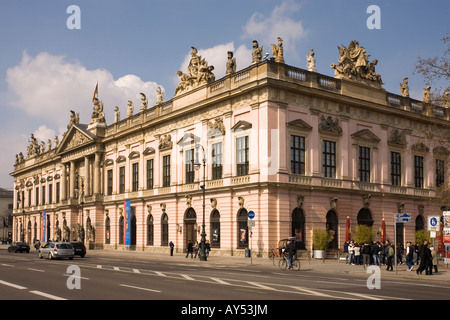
(44, 224)
(127, 222)
(446, 227)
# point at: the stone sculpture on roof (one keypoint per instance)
(404, 88)
(231, 63)
(159, 95)
(354, 64)
(311, 61)
(98, 116)
(256, 52)
(144, 102)
(278, 51)
(199, 73)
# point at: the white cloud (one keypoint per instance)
(279, 24)
(49, 87)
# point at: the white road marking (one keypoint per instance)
(7, 265)
(160, 274)
(220, 281)
(136, 271)
(315, 293)
(139, 288)
(12, 285)
(38, 270)
(187, 277)
(46, 295)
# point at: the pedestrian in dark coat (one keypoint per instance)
(190, 249)
(423, 256)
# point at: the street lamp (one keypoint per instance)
(202, 253)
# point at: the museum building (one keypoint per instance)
(302, 150)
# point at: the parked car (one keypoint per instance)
(56, 250)
(79, 248)
(19, 247)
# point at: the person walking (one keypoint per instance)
(409, 257)
(190, 249)
(351, 253)
(423, 256)
(389, 253)
(366, 249)
(171, 246)
(196, 248)
(434, 259)
(375, 251)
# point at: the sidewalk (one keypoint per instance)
(330, 266)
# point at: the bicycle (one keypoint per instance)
(283, 263)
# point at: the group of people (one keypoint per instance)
(378, 253)
(193, 249)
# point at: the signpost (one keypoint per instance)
(251, 224)
(399, 218)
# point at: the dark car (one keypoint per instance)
(79, 248)
(19, 247)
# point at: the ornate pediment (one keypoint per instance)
(398, 139)
(299, 124)
(216, 128)
(330, 126)
(188, 139)
(241, 125)
(165, 142)
(366, 135)
(77, 136)
(148, 151)
(420, 147)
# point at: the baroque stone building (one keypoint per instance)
(302, 150)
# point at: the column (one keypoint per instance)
(63, 183)
(87, 176)
(97, 174)
(72, 180)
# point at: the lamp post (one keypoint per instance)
(202, 253)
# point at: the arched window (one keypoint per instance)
(121, 237)
(332, 228)
(215, 228)
(365, 217)
(150, 230)
(420, 223)
(107, 230)
(164, 230)
(242, 219)
(190, 222)
(298, 228)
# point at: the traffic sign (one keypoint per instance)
(251, 214)
(433, 223)
(402, 217)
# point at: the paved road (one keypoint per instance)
(103, 275)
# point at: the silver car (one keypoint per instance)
(56, 250)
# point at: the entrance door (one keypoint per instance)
(190, 220)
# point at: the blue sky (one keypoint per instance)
(130, 47)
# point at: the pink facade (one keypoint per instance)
(302, 150)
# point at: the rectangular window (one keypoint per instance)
(57, 191)
(189, 165)
(329, 159)
(440, 172)
(216, 158)
(396, 168)
(418, 171)
(135, 176)
(43, 195)
(29, 197)
(242, 156)
(122, 180)
(298, 155)
(50, 193)
(364, 164)
(150, 174)
(109, 182)
(166, 171)
(36, 196)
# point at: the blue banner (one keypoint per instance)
(44, 227)
(127, 222)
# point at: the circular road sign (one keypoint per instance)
(251, 214)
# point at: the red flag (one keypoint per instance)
(347, 229)
(95, 92)
(383, 231)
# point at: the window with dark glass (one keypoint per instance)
(109, 182)
(150, 174)
(36, 196)
(364, 164)
(50, 193)
(242, 156)
(329, 159)
(440, 172)
(418, 171)
(122, 180)
(189, 165)
(297, 154)
(57, 191)
(216, 158)
(166, 171)
(43, 195)
(396, 169)
(135, 176)
(29, 197)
